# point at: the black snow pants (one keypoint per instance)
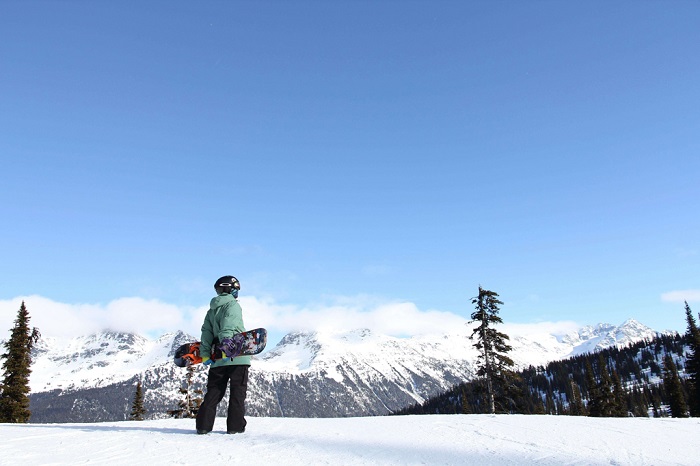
(219, 378)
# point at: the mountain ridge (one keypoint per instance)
(307, 374)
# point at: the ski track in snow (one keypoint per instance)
(395, 440)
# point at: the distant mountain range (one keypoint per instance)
(312, 374)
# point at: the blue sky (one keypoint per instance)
(344, 156)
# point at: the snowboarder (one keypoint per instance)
(223, 320)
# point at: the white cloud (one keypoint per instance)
(679, 296)
(153, 318)
(540, 328)
(391, 318)
(149, 317)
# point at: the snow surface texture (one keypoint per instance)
(453, 439)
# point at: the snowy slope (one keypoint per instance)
(398, 440)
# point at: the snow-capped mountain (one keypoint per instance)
(313, 374)
(357, 372)
(98, 360)
(538, 349)
(589, 339)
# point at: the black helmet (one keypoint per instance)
(227, 284)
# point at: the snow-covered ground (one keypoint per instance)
(454, 439)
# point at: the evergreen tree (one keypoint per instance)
(653, 401)
(640, 404)
(576, 407)
(539, 405)
(619, 397)
(465, 409)
(597, 400)
(591, 390)
(561, 409)
(137, 409)
(14, 390)
(493, 363)
(606, 387)
(692, 364)
(549, 406)
(674, 389)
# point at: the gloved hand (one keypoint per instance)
(206, 361)
(231, 347)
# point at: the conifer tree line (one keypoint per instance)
(657, 377)
(692, 367)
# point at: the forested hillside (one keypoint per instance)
(625, 381)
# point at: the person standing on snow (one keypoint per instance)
(223, 320)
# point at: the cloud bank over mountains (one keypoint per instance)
(154, 317)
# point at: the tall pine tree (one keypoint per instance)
(137, 409)
(601, 401)
(576, 407)
(14, 390)
(595, 400)
(619, 397)
(674, 389)
(493, 362)
(692, 364)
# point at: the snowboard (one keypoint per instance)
(254, 342)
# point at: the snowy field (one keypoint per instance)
(459, 440)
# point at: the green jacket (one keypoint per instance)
(224, 319)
